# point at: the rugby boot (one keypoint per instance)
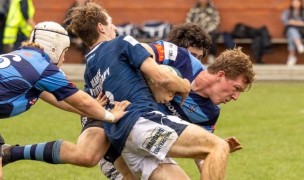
(6, 154)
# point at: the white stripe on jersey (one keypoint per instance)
(170, 51)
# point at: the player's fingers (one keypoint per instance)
(183, 99)
(104, 97)
(233, 140)
(238, 148)
(236, 142)
(99, 96)
(122, 105)
(126, 104)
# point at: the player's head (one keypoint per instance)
(53, 38)
(191, 36)
(232, 73)
(234, 63)
(91, 23)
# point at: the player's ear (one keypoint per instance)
(220, 74)
(100, 28)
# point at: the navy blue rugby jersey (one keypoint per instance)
(24, 74)
(113, 68)
(196, 109)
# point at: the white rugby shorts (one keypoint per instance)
(150, 140)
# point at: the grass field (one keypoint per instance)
(268, 120)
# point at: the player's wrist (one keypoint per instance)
(109, 117)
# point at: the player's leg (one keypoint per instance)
(1, 143)
(207, 146)
(108, 170)
(147, 145)
(1, 174)
(113, 166)
(62, 152)
(47, 152)
(91, 146)
(155, 137)
(164, 171)
(212, 149)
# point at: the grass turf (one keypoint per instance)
(268, 120)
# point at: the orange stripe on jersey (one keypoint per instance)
(160, 51)
(27, 54)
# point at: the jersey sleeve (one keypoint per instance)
(136, 53)
(177, 57)
(53, 80)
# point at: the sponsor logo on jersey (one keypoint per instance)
(192, 108)
(171, 51)
(172, 109)
(97, 82)
(157, 140)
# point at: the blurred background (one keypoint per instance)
(253, 13)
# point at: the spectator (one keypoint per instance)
(75, 40)
(206, 15)
(19, 24)
(3, 13)
(293, 19)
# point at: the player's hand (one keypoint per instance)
(234, 144)
(119, 109)
(185, 94)
(160, 94)
(102, 99)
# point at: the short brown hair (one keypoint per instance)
(234, 63)
(83, 21)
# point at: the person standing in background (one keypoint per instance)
(3, 14)
(206, 15)
(19, 24)
(293, 20)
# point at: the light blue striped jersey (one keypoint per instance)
(24, 74)
(196, 109)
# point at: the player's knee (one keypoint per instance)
(90, 160)
(222, 145)
(93, 162)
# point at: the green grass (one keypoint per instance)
(268, 120)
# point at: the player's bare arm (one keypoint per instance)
(91, 108)
(51, 99)
(161, 77)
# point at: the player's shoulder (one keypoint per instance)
(127, 39)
